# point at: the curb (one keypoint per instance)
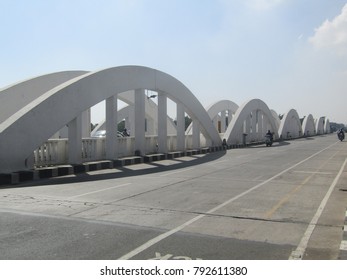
(63, 170)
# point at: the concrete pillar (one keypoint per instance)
(140, 121)
(75, 141)
(86, 121)
(111, 127)
(162, 123)
(215, 122)
(260, 125)
(254, 125)
(196, 135)
(248, 124)
(247, 129)
(230, 116)
(180, 127)
(223, 122)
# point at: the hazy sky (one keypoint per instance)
(289, 53)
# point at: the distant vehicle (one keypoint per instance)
(102, 133)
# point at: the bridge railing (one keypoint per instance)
(56, 152)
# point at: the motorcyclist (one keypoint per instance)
(270, 135)
(342, 132)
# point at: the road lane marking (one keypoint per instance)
(300, 250)
(164, 235)
(83, 194)
(175, 172)
(313, 172)
(269, 213)
(296, 189)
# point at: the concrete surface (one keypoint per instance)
(251, 203)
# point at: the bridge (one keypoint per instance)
(45, 121)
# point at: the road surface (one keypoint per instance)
(287, 201)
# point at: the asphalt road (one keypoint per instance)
(284, 202)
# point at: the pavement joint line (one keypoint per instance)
(164, 235)
(115, 187)
(300, 250)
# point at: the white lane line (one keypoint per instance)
(313, 172)
(83, 194)
(160, 237)
(300, 250)
(175, 172)
(344, 228)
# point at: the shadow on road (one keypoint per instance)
(122, 172)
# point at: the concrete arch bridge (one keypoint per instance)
(34, 113)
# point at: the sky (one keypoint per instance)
(292, 54)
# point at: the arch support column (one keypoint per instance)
(162, 122)
(196, 135)
(140, 121)
(223, 121)
(180, 127)
(75, 140)
(111, 127)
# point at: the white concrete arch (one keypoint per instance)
(290, 126)
(218, 107)
(327, 126)
(320, 125)
(15, 97)
(308, 126)
(64, 104)
(251, 120)
(276, 117)
(222, 107)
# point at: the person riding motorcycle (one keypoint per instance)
(268, 138)
(341, 133)
(269, 134)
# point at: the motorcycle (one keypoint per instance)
(268, 140)
(341, 136)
